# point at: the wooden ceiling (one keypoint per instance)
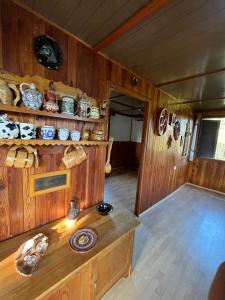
(179, 46)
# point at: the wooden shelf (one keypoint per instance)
(51, 142)
(24, 110)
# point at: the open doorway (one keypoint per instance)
(126, 126)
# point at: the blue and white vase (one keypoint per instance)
(47, 132)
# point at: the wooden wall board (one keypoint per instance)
(95, 74)
(200, 169)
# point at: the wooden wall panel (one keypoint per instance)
(95, 74)
(200, 169)
(164, 170)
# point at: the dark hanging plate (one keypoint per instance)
(48, 52)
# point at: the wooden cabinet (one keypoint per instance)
(64, 274)
(97, 277)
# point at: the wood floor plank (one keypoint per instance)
(178, 246)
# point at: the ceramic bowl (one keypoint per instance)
(104, 208)
(63, 134)
(47, 132)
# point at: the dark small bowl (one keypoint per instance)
(104, 208)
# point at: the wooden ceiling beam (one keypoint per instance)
(142, 14)
(201, 100)
(179, 80)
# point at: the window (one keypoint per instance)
(211, 142)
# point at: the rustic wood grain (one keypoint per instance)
(96, 75)
(115, 233)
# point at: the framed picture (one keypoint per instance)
(172, 119)
(49, 182)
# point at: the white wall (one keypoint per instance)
(136, 133)
(120, 127)
(122, 131)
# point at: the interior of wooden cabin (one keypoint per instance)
(112, 150)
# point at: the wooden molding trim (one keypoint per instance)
(142, 14)
(179, 80)
(202, 100)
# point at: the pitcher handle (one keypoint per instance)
(15, 89)
(21, 87)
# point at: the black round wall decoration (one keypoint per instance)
(48, 52)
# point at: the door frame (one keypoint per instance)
(145, 129)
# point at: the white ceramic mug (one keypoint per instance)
(75, 135)
(27, 131)
(63, 134)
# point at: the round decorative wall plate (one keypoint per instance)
(83, 240)
(176, 130)
(163, 121)
(48, 52)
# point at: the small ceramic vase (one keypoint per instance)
(8, 129)
(27, 131)
(47, 132)
(68, 105)
(50, 99)
(63, 134)
(32, 98)
(75, 135)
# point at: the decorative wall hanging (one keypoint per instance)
(22, 157)
(186, 139)
(48, 52)
(163, 121)
(49, 182)
(176, 130)
(172, 119)
(169, 141)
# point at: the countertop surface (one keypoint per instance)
(60, 260)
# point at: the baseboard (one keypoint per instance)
(161, 201)
(205, 188)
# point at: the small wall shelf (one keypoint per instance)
(39, 142)
(24, 110)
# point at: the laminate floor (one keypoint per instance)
(178, 246)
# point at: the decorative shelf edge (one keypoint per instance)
(24, 110)
(51, 142)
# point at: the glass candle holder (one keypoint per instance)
(74, 210)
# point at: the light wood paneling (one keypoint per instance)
(208, 173)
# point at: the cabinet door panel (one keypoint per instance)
(75, 288)
(114, 264)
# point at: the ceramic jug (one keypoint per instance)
(6, 93)
(50, 99)
(84, 108)
(32, 98)
(8, 129)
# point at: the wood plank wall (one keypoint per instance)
(208, 173)
(93, 73)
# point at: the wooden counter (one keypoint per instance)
(64, 274)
